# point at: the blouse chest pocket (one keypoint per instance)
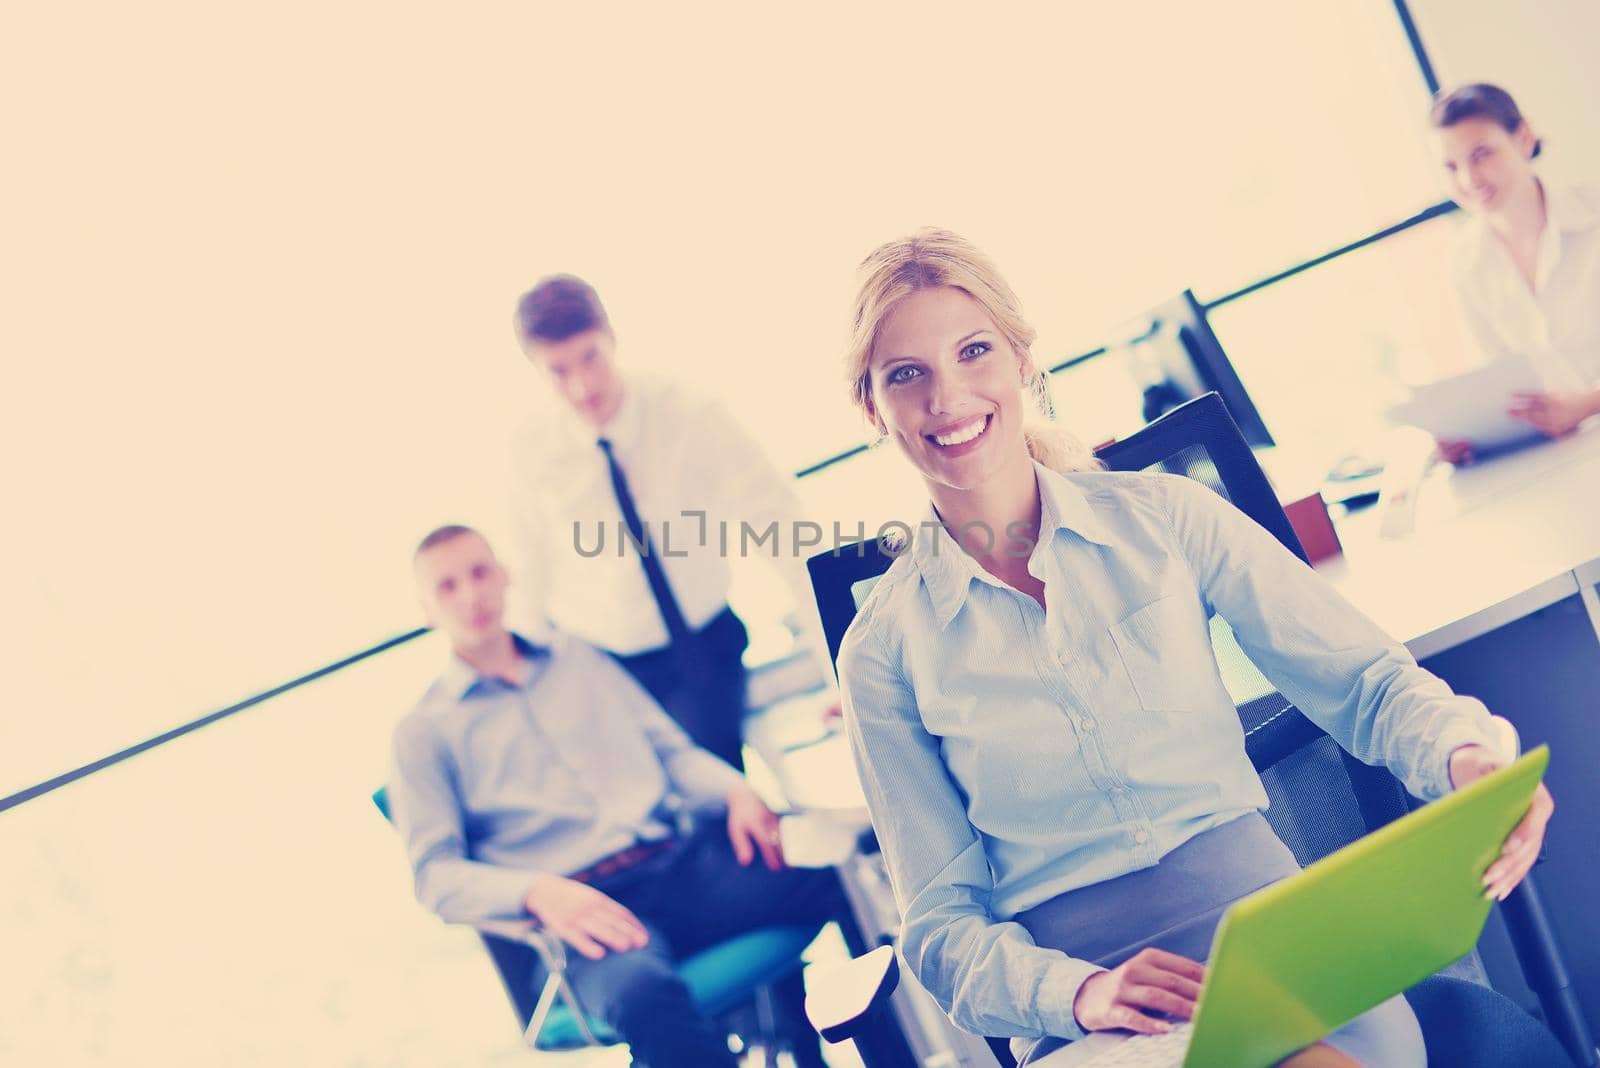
(1165, 648)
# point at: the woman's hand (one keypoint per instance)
(1554, 414)
(1152, 979)
(1453, 451)
(1471, 762)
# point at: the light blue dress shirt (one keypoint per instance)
(1010, 754)
(492, 782)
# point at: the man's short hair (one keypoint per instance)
(559, 307)
(440, 535)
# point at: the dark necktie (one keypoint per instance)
(671, 614)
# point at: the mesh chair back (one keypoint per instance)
(840, 580)
(1322, 798)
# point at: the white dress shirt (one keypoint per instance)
(1556, 324)
(682, 453)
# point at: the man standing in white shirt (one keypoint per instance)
(628, 501)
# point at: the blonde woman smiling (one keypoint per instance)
(1054, 767)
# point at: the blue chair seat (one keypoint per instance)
(718, 978)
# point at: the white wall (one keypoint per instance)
(1542, 51)
(258, 269)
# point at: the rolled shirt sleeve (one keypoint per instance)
(427, 813)
(1336, 665)
(988, 975)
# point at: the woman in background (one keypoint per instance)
(1527, 269)
(1055, 770)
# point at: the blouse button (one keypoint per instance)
(1140, 836)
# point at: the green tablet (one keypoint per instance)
(1297, 959)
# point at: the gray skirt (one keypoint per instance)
(1176, 906)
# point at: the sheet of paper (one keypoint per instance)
(1472, 406)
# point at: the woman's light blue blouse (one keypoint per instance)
(1010, 754)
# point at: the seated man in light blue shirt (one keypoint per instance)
(543, 781)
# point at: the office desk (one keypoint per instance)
(1492, 543)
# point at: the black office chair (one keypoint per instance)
(1322, 798)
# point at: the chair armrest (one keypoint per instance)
(553, 954)
(841, 998)
(528, 933)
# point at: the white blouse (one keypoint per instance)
(1556, 324)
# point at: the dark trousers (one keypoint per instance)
(1471, 1026)
(700, 683)
(691, 899)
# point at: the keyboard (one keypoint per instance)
(1146, 1051)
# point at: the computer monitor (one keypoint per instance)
(1176, 357)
